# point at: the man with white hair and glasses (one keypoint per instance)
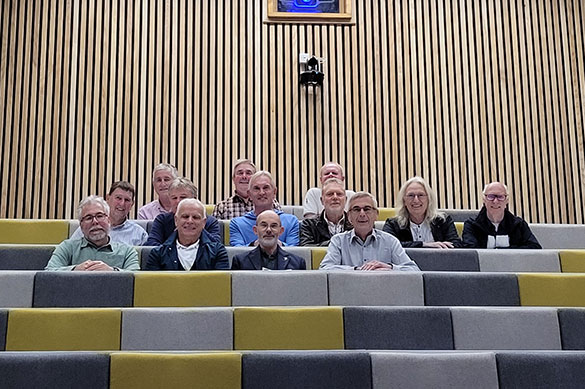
(94, 251)
(364, 247)
(495, 226)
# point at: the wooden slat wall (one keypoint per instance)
(460, 92)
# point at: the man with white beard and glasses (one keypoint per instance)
(268, 255)
(94, 251)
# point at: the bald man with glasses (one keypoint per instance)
(495, 226)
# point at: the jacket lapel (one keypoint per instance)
(255, 258)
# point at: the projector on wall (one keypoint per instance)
(311, 73)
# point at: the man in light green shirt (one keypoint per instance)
(94, 251)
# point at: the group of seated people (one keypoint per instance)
(186, 238)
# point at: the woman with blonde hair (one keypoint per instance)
(419, 223)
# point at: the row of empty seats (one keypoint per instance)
(288, 288)
(288, 328)
(43, 231)
(35, 257)
(325, 369)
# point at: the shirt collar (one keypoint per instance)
(191, 247)
(120, 226)
(354, 238)
(240, 199)
(86, 243)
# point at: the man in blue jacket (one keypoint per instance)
(164, 224)
(262, 191)
(189, 247)
(268, 255)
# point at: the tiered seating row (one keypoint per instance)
(288, 288)
(35, 257)
(288, 328)
(306, 369)
(41, 231)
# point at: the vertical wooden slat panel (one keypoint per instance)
(26, 130)
(460, 92)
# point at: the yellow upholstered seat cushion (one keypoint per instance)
(136, 370)
(63, 329)
(385, 213)
(226, 233)
(33, 231)
(317, 255)
(310, 328)
(209, 208)
(459, 228)
(563, 290)
(182, 289)
(572, 261)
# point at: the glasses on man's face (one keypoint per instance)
(412, 196)
(366, 209)
(100, 217)
(492, 197)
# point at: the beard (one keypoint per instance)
(268, 242)
(97, 235)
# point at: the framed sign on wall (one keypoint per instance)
(333, 10)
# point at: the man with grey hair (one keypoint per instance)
(495, 226)
(262, 191)
(94, 251)
(364, 247)
(312, 205)
(189, 247)
(164, 224)
(162, 177)
(318, 230)
(240, 203)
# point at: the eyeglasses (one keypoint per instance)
(411, 196)
(492, 197)
(366, 209)
(100, 217)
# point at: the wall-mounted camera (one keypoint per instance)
(311, 73)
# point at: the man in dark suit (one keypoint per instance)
(268, 255)
(189, 247)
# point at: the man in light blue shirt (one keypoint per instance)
(262, 190)
(121, 199)
(364, 247)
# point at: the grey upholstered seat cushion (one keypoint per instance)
(54, 370)
(472, 289)
(519, 260)
(572, 323)
(258, 288)
(25, 257)
(445, 260)
(84, 289)
(306, 370)
(434, 370)
(16, 289)
(177, 329)
(559, 236)
(508, 328)
(393, 328)
(562, 369)
(375, 288)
